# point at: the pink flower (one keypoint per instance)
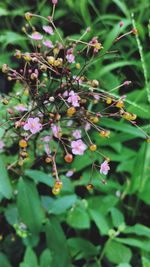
(46, 138)
(48, 30)
(77, 79)
(21, 108)
(48, 44)
(87, 126)
(121, 23)
(70, 58)
(73, 99)
(78, 147)
(127, 82)
(1, 144)
(56, 130)
(36, 36)
(104, 168)
(54, 2)
(76, 134)
(33, 125)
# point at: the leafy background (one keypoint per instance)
(109, 226)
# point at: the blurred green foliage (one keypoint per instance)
(109, 226)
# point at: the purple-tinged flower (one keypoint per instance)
(70, 58)
(56, 130)
(1, 145)
(104, 168)
(48, 44)
(97, 97)
(21, 108)
(47, 149)
(78, 147)
(36, 36)
(33, 125)
(77, 79)
(48, 30)
(46, 138)
(69, 173)
(76, 134)
(73, 99)
(87, 126)
(65, 94)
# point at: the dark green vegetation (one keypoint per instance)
(109, 226)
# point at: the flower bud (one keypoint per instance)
(54, 2)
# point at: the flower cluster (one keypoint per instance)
(57, 104)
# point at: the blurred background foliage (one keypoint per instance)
(110, 225)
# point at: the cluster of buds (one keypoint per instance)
(57, 104)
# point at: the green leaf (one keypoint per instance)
(4, 261)
(29, 205)
(5, 185)
(122, 7)
(60, 205)
(117, 217)
(138, 229)
(83, 7)
(30, 258)
(124, 265)
(57, 243)
(46, 258)
(118, 253)
(81, 162)
(3, 12)
(140, 177)
(78, 218)
(100, 221)
(81, 248)
(11, 214)
(143, 244)
(40, 177)
(102, 204)
(145, 262)
(111, 36)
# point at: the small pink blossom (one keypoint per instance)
(33, 125)
(1, 145)
(36, 36)
(46, 138)
(73, 99)
(56, 130)
(104, 168)
(87, 126)
(21, 108)
(48, 44)
(127, 82)
(77, 79)
(78, 147)
(48, 30)
(70, 58)
(76, 134)
(54, 2)
(121, 24)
